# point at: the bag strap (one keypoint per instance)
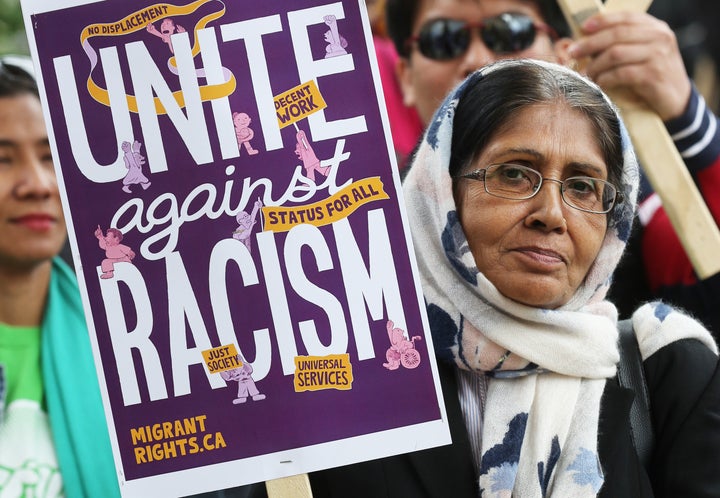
(631, 375)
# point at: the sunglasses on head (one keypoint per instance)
(510, 32)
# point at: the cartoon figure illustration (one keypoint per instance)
(401, 352)
(243, 132)
(246, 384)
(336, 43)
(305, 152)
(245, 224)
(115, 252)
(133, 162)
(167, 29)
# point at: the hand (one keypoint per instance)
(98, 232)
(637, 53)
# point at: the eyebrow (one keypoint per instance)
(5, 142)
(588, 167)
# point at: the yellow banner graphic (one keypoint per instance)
(315, 373)
(298, 103)
(336, 207)
(140, 20)
(221, 358)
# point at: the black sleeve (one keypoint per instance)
(684, 386)
(700, 299)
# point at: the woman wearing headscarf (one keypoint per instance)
(520, 200)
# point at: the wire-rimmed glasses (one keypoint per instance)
(518, 182)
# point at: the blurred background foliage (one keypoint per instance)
(12, 30)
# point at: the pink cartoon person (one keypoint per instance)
(246, 385)
(246, 222)
(305, 152)
(243, 132)
(133, 162)
(401, 351)
(167, 29)
(335, 42)
(115, 252)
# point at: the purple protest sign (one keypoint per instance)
(240, 239)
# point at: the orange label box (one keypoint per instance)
(315, 373)
(221, 358)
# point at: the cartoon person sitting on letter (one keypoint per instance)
(246, 385)
(243, 132)
(115, 252)
(336, 43)
(167, 29)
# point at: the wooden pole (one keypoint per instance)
(626, 5)
(659, 158)
(289, 487)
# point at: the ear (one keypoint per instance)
(403, 72)
(561, 47)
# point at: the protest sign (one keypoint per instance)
(237, 224)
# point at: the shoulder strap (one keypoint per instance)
(631, 375)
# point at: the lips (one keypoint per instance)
(542, 255)
(36, 221)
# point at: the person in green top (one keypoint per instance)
(54, 439)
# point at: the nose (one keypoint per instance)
(477, 55)
(547, 208)
(36, 179)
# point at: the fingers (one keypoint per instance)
(639, 54)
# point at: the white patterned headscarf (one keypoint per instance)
(548, 368)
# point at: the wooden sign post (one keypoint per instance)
(659, 157)
(289, 487)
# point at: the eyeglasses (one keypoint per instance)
(510, 32)
(514, 181)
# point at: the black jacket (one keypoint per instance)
(684, 387)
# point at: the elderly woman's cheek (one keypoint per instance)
(587, 236)
(595, 229)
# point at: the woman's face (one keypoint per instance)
(535, 251)
(32, 227)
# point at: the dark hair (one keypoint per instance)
(400, 16)
(15, 80)
(552, 15)
(491, 98)
(117, 233)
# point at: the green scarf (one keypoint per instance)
(73, 398)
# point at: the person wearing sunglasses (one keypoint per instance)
(440, 42)
(517, 232)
